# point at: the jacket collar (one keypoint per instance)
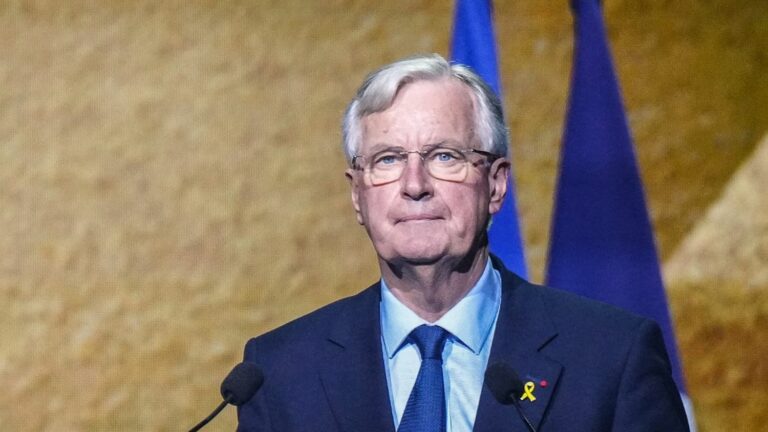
(523, 330)
(353, 374)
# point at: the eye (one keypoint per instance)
(386, 159)
(445, 155)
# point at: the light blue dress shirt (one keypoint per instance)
(471, 323)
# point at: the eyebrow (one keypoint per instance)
(383, 146)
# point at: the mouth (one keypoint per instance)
(418, 218)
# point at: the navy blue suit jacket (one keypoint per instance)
(605, 369)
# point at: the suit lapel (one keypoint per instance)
(354, 379)
(352, 372)
(522, 330)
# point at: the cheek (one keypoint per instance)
(476, 220)
(472, 221)
(469, 207)
(373, 208)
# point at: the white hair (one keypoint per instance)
(380, 88)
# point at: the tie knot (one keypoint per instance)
(430, 340)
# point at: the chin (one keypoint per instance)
(418, 254)
(418, 259)
(411, 245)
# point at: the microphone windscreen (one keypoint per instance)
(503, 382)
(242, 383)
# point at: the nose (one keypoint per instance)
(415, 182)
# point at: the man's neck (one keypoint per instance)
(432, 290)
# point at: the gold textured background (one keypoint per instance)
(171, 184)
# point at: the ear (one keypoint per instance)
(352, 176)
(498, 178)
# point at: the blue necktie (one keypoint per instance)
(425, 410)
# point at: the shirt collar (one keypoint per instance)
(470, 321)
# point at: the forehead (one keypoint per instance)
(422, 113)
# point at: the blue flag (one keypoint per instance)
(602, 243)
(474, 45)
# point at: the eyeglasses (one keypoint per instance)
(442, 162)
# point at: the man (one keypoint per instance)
(427, 149)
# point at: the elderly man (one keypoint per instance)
(427, 149)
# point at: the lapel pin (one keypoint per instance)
(528, 391)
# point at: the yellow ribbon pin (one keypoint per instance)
(529, 387)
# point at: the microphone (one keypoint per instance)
(238, 387)
(506, 387)
(242, 383)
